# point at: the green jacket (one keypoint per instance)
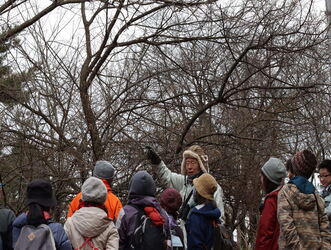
(303, 222)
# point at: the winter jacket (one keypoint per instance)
(127, 219)
(112, 203)
(92, 222)
(181, 183)
(268, 229)
(61, 239)
(199, 226)
(6, 222)
(303, 222)
(326, 195)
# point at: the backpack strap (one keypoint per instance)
(140, 213)
(318, 213)
(46, 226)
(88, 241)
(184, 209)
(139, 209)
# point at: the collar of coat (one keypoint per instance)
(107, 185)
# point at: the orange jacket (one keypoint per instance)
(112, 203)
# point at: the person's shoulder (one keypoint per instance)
(288, 187)
(273, 194)
(111, 196)
(20, 221)
(56, 227)
(130, 209)
(6, 211)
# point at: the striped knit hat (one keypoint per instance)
(304, 163)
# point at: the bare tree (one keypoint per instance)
(246, 80)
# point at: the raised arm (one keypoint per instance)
(170, 178)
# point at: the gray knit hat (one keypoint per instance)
(93, 190)
(274, 170)
(103, 170)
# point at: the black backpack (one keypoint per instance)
(147, 235)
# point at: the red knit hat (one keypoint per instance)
(304, 163)
(171, 200)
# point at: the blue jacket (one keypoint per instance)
(199, 227)
(61, 239)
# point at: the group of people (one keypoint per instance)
(294, 215)
(186, 214)
(183, 217)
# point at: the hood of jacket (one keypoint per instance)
(142, 184)
(304, 201)
(207, 210)
(303, 184)
(90, 221)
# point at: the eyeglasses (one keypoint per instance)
(191, 162)
(323, 176)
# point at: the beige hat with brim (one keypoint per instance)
(206, 186)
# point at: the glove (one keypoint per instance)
(152, 156)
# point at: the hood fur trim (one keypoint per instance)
(191, 154)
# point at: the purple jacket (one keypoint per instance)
(127, 219)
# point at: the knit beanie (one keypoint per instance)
(171, 200)
(304, 163)
(93, 190)
(103, 170)
(206, 186)
(142, 184)
(274, 170)
(195, 152)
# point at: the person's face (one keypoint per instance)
(325, 177)
(192, 166)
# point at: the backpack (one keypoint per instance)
(32, 238)
(222, 238)
(147, 235)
